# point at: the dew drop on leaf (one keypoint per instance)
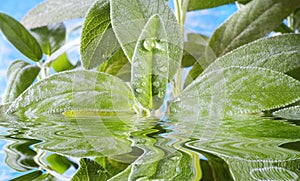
(149, 44)
(139, 90)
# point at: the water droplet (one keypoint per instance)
(156, 84)
(163, 68)
(149, 44)
(139, 90)
(161, 94)
(138, 75)
(143, 84)
(160, 45)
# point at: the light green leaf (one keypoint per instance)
(76, 92)
(150, 64)
(17, 34)
(290, 113)
(62, 63)
(89, 170)
(56, 11)
(279, 53)
(133, 15)
(118, 65)
(59, 163)
(50, 37)
(98, 41)
(20, 76)
(236, 90)
(204, 4)
(254, 20)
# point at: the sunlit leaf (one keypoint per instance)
(89, 170)
(204, 4)
(290, 113)
(76, 91)
(150, 64)
(279, 53)
(253, 21)
(62, 63)
(59, 163)
(50, 37)
(236, 90)
(17, 34)
(117, 65)
(56, 11)
(128, 20)
(20, 76)
(98, 41)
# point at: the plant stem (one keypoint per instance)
(180, 11)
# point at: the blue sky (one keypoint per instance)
(204, 22)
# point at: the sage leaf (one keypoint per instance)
(17, 34)
(265, 52)
(150, 64)
(20, 76)
(98, 41)
(50, 37)
(59, 163)
(128, 19)
(253, 21)
(62, 63)
(56, 11)
(236, 90)
(29, 176)
(118, 65)
(204, 4)
(290, 113)
(74, 92)
(193, 74)
(89, 170)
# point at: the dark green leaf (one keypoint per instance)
(89, 170)
(150, 65)
(76, 92)
(50, 37)
(59, 163)
(56, 11)
(118, 65)
(279, 53)
(62, 63)
(204, 4)
(193, 74)
(237, 90)
(290, 113)
(283, 28)
(20, 37)
(254, 20)
(98, 41)
(296, 19)
(133, 15)
(30, 176)
(20, 76)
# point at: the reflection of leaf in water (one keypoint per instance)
(250, 147)
(81, 137)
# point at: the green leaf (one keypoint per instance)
(254, 20)
(50, 37)
(89, 170)
(279, 53)
(237, 90)
(75, 92)
(150, 65)
(62, 63)
(193, 74)
(17, 34)
(118, 65)
(290, 113)
(20, 76)
(56, 11)
(98, 41)
(204, 4)
(30, 176)
(59, 163)
(133, 15)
